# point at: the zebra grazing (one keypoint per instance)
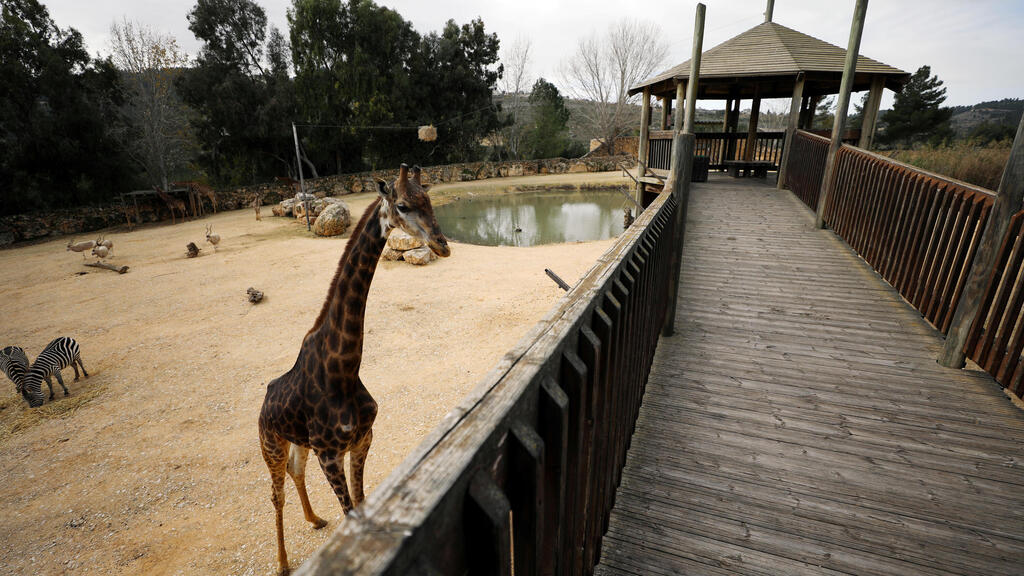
(14, 363)
(57, 355)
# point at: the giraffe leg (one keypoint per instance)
(275, 454)
(333, 464)
(357, 462)
(61, 382)
(297, 456)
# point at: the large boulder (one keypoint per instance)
(401, 241)
(333, 221)
(419, 256)
(284, 208)
(390, 254)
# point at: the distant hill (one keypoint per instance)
(1005, 112)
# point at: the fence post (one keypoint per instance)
(682, 169)
(1009, 197)
(845, 87)
(643, 144)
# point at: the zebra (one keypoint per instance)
(14, 363)
(57, 355)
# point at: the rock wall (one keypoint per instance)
(84, 219)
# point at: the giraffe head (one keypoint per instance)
(405, 204)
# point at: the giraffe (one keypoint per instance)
(321, 404)
(172, 203)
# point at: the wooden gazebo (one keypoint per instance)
(767, 61)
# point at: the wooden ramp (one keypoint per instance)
(797, 423)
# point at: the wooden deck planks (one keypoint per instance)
(798, 422)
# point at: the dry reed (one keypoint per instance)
(979, 165)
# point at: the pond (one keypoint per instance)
(532, 218)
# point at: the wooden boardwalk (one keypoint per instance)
(797, 423)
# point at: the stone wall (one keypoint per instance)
(23, 227)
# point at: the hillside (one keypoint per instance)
(1006, 112)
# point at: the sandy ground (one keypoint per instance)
(152, 465)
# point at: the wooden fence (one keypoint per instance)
(522, 475)
(997, 337)
(718, 147)
(920, 231)
(806, 167)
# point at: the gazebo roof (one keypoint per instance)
(769, 56)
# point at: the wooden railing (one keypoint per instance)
(918, 230)
(806, 167)
(997, 337)
(921, 231)
(522, 475)
(718, 147)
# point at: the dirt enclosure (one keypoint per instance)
(152, 465)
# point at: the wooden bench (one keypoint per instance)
(743, 168)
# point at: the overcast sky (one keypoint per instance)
(973, 46)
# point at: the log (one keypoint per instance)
(105, 266)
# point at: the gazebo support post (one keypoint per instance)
(641, 154)
(1009, 196)
(856, 29)
(812, 109)
(732, 120)
(666, 109)
(725, 114)
(677, 118)
(791, 127)
(867, 127)
(755, 114)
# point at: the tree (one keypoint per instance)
(603, 69)
(546, 135)
(241, 88)
(514, 81)
(454, 78)
(157, 135)
(57, 107)
(351, 71)
(824, 114)
(916, 115)
(363, 71)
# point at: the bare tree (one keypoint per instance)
(158, 135)
(603, 68)
(514, 85)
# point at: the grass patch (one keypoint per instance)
(16, 417)
(980, 165)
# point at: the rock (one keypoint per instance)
(399, 240)
(333, 221)
(255, 296)
(284, 208)
(418, 256)
(390, 254)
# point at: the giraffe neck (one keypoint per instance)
(340, 325)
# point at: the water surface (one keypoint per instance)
(532, 218)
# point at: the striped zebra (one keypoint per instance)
(14, 363)
(57, 355)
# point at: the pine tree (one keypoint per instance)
(546, 135)
(916, 115)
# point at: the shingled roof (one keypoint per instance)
(771, 54)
